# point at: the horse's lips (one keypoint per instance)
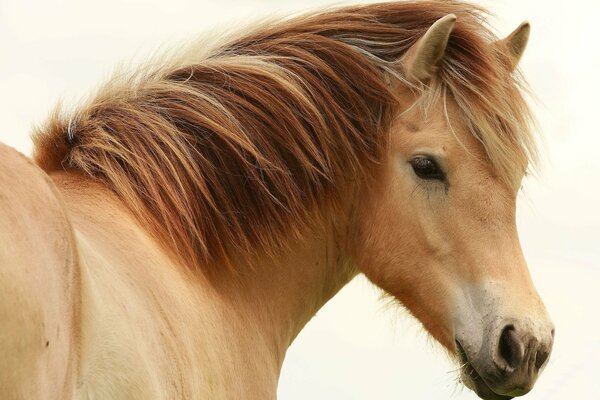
(471, 378)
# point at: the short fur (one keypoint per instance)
(225, 155)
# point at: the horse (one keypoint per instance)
(173, 233)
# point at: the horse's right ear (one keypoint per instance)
(420, 62)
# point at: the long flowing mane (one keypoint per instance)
(228, 152)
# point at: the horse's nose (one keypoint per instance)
(519, 356)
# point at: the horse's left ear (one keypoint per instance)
(420, 62)
(516, 43)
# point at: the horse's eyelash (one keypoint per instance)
(428, 187)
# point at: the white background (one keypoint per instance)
(358, 347)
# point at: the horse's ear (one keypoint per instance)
(516, 43)
(420, 62)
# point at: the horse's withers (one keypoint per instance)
(39, 285)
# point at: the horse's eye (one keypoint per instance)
(427, 168)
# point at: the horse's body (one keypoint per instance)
(144, 327)
(142, 264)
(154, 317)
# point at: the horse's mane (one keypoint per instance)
(255, 140)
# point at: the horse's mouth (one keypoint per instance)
(471, 378)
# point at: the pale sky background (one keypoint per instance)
(356, 347)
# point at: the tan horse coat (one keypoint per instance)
(145, 328)
(189, 222)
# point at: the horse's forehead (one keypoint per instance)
(439, 124)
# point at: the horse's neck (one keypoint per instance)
(210, 337)
(283, 293)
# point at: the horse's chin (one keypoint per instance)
(471, 379)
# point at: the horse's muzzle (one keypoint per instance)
(508, 363)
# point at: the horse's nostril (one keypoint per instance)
(540, 358)
(511, 349)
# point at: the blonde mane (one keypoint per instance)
(253, 142)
